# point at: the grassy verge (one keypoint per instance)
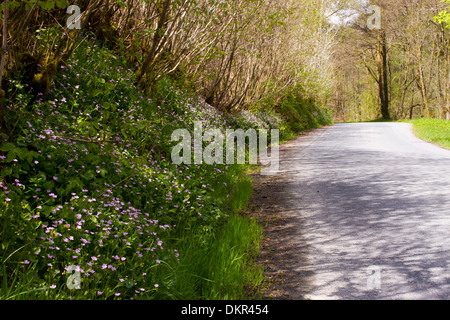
(220, 265)
(436, 131)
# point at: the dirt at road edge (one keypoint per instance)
(272, 206)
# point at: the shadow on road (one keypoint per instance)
(330, 216)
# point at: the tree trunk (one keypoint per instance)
(157, 39)
(421, 84)
(4, 46)
(383, 84)
(2, 62)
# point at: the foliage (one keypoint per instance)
(408, 56)
(229, 255)
(302, 113)
(86, 180)
(82, 175)
(234, 52)
(444, 16)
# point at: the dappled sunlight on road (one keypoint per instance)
(362, 195)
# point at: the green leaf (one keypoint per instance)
(110, 86)
(11, 155)
(62, 4)
(22, 153)
(97, 92)
(92, 131)
(8, 146)
(6, 171)
(88, 175)
(124, 133)
(47, 5)
(74, 183)
(103, 172)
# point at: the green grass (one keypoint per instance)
(220, 266)
(432, 130)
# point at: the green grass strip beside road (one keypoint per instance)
(432, 130)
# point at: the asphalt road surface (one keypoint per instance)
(372, 214)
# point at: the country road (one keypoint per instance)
(360, 211)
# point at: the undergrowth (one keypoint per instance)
(91, 206)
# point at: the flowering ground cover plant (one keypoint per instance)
(91, 205)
